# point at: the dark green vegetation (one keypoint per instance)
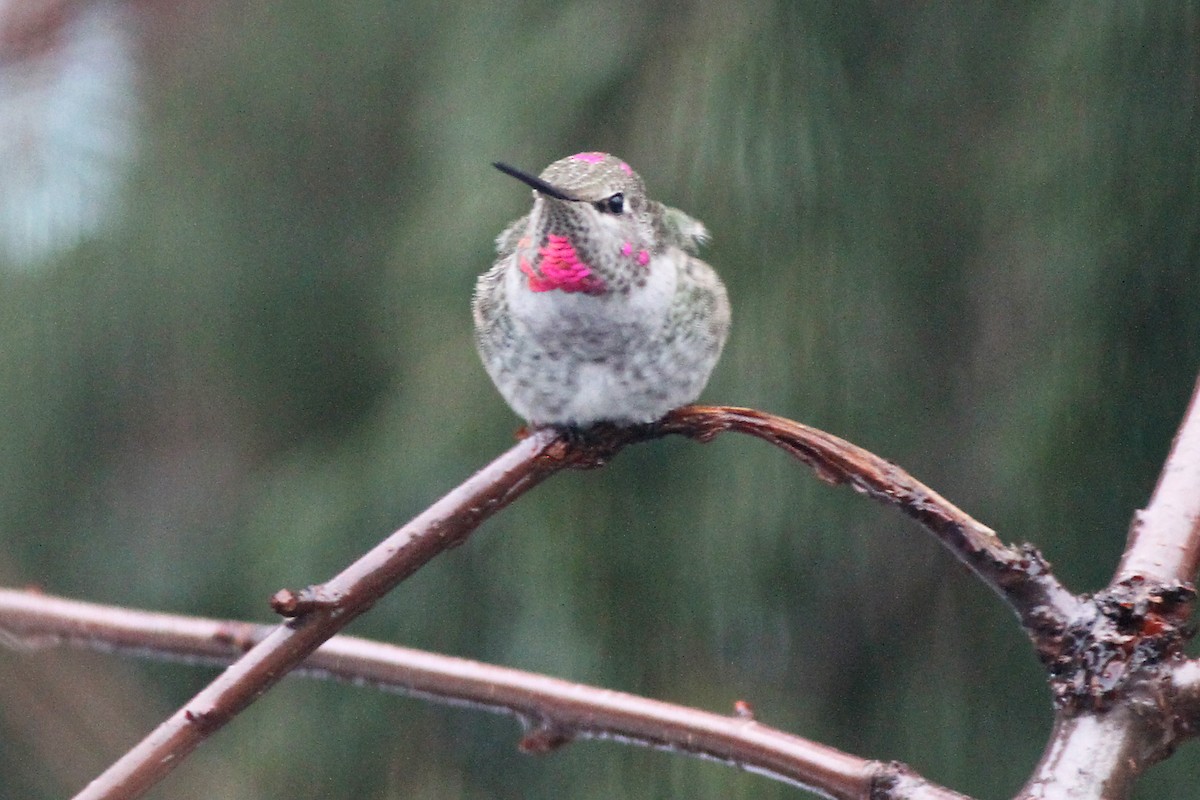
(964, 237)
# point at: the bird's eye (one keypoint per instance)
(613, 204)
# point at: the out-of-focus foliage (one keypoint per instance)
(963, 235)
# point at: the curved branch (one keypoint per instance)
(1020, 576)
(1164, 539)
(554, 711)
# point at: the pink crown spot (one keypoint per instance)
(560, 268)
(591, 158)
(628, 169)
(643, 257)
(627, 249)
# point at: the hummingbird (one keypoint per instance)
(597, 309)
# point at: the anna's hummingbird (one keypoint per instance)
(597, 308)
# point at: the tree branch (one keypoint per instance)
(1126, 696)
(1096, 755)
(1020, 576)
(1164, 539)
(553, 711)
(327, 610)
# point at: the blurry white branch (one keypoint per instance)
(68, 123)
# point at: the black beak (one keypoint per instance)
(534, 181)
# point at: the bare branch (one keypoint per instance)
(1126, 696)
(553, 711)
(1096, 755)
(1164, 539)
(1019, 576)
(444, 524)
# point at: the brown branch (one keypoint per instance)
(443, 525)
(1019, 576)
(553, 711)
(1164, 539)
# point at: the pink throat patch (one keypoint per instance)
(560, 268)
(591, 158)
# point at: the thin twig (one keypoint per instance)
(553, 711)
(1018, 575)
(444, 524)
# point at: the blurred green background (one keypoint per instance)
(962, 235)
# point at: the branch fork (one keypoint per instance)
(1113, 658)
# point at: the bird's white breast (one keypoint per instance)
(561, 316)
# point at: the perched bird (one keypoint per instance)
(597, 309)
